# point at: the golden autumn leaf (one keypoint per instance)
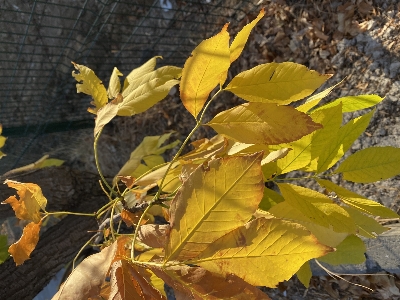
(198, 284)
(263, 252)
(114, 87)
(30, 203)
(213, 201)
(137, 73)
(353, 103)
(90, 84)
(280, 83)
(304, 274)
(88, 277)
(263, 123)
(2, 141)
(371, 164)
(204, 70)
(21, 249)
(104, 115)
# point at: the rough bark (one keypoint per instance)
(65, 189)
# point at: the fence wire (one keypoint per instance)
(39, 39)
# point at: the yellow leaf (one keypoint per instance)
(147, 90)
(135, 74)
(172, 180)
(280, 83)
(313, 207)
(212, 201)
(263, 123)
(350, 251)
(366, 226)
(353, 103)
(357, 201)
(30, 203)
(49, 162)
(206, 148)
(90, 84)
(156, 175)
(2, 141)
(270, 198)
(315, 99)
(304, 274)
(371, 164)
(194, 283)
(204, 70)
(114, 87)
(104, 115)
(264, 252)
(87, 278)
(153, 160)
(338, 145)
(240, 40)
(275, 155)
(21, 250)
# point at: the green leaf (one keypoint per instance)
(357, 201)
(270, 198)
(280, 83)
(49, 162)
(145, 91)
(304, 274)
(354, 103)
(371, 164)
(366, 226)
(350, 251)
(204, 70)
(90, 84)
(213, 201)
(263, 123)
(260, 251)
(315, 99)
(135, 74)
(114, 87)
(3, 248)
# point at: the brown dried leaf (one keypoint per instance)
(154, 235)
(21, 250)
(130, 218)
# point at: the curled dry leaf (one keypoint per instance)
(154, 235)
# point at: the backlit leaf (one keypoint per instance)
(90, 84)
(21, 249)
(304, 274)
(275, 155)
(259, 252)
(114, 87)
(88, 277)
(350, 251)
(357, 201)
(310, 206)
(30, 203)
(280, 83)
(104, 115)
(204, 70)
(263, 123)
(213, 201)
(240, 40)
(206, 148)
(366, 226)
(194, 283)
(135, 74)
(353, 103)
(270, 198)
(371, 164)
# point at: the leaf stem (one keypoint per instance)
(70, 213)
(137, 231)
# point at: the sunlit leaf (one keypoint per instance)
(310, 206)
(275, 155)
(149, 89)
(137, 73)
(204, 70)
(21, 249)
(90, 84)
(114, 87)
(259, 252)
(357, 201)
(194, 283)
(366, 226)
(212, 201)
(240, 40)
(263, 123)
(30, 203)
(304, 274)
(315, 99)
(353, 103)
(371, 164)
(206, 148)
(350, 251)
(280, 83)
(270, 198)
(88, 277)
(104, 115)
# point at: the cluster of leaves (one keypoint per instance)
(225, 233)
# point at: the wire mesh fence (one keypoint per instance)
(39, 39)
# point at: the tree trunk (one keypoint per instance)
(64, 189)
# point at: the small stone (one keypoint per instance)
(394, 69)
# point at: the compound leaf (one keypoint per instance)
(353, 103)
(280, 83)
(263, 123)
(371, 164)
(204, 70)
(30, 203)
(213, 201)
(21, 249)
(259, 251)
(90, 84)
